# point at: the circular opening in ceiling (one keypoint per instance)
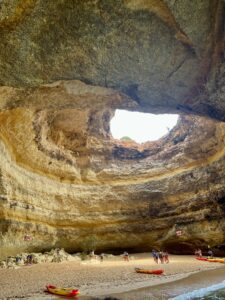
(141, 127)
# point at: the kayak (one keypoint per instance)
(69, 292)
(146, 271)
(212, 260)
(220, 260)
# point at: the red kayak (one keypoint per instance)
(146, 271)
(202, 258)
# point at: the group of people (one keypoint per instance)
(101, 256)
(29, 259)
(93, 255)
(160, 256)
(198, 253)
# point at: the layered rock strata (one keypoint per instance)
(64, 178)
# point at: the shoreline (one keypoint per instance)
(96, 279)
(127, 288)
(170, 289)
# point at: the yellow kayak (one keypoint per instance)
(220, 260)
(68, 292)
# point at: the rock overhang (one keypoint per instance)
(150, 50)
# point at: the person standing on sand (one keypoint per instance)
(92, 254)
(166, 257)
(210, 253)
(29, 259)
(126, 256)
(161, 256)
(199, 253)
(155, 256)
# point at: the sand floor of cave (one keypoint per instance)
(94, 277)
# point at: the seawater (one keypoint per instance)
(218, 295)
(213, 292)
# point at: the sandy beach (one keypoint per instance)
(96, 279)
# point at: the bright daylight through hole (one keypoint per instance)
(141, 127)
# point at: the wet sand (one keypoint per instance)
(96, 279)
(165, 291)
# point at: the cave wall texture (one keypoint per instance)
(65, 67)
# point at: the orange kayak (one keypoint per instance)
(68, 292)
(146, 271)
(219, 260)
(212, 260)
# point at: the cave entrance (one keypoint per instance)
(141, 127)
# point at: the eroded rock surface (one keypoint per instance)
(65, 66)
(167, 55)
(63, 177)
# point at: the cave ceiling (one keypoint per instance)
(166, 55)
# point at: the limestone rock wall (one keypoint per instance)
(64, 178)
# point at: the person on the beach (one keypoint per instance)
(92, 254)
(101, 256)
(161, 256)
(126, 256)
(198, 253)
(166, 257)
(155, 256)
(210, 253)
(29, 259)
(18, 259)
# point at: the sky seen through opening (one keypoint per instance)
(141, 127)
